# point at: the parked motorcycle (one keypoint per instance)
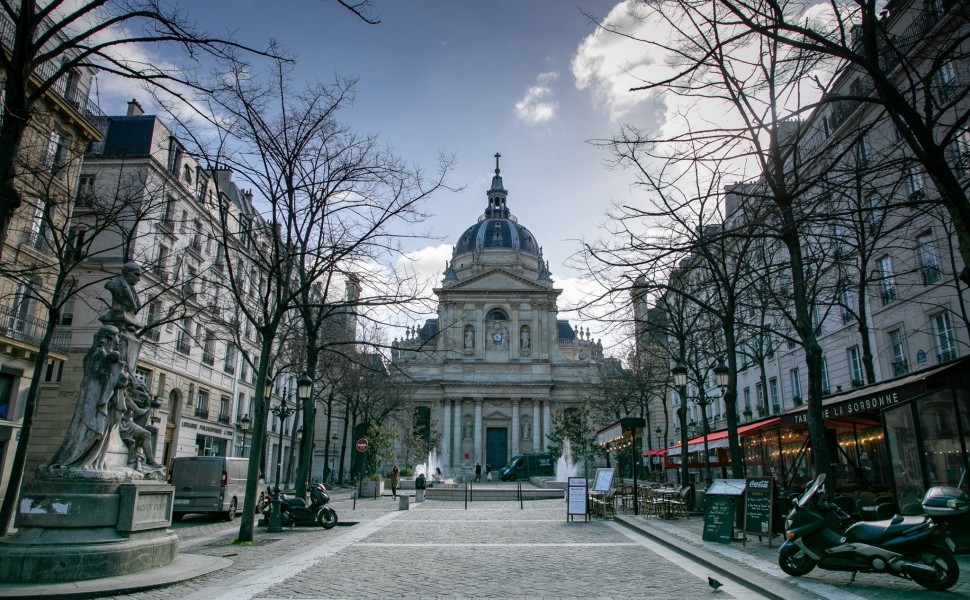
(295, 511)
(916, 547)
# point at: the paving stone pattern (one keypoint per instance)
(439, 549)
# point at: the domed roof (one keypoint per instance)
(497, 228)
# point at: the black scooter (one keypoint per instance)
(295, 511)
(916, 548)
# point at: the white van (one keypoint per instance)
(206, 484)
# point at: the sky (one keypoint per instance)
(533, 80)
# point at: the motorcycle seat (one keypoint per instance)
(869, 532)
(295, 502)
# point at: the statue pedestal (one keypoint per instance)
(74, 529)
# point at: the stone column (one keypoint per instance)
(535, 426)
(516, 431)
(477, 454)
(445, 435)
(456, 457)
(546, 421)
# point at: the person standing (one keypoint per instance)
(394, 479)
(478, 472)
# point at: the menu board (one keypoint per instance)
(758, 501)
(576, 498)
(719, 519)
(603, 481)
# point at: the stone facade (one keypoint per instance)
(497, 362)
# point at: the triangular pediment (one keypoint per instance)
(499, 280)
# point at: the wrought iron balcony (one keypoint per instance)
(30, 330)
(202, 413)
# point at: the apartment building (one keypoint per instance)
(197, 352)
(64, 121)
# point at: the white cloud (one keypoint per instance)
(609, 65)
(539, 105)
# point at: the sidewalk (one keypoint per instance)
(684, 536)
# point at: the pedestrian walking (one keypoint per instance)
(394, 479)
(478, 472)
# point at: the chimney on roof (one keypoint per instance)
(135, 109)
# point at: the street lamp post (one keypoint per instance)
(679, 372)
(283, 412)
(244, 427)
(721, 376)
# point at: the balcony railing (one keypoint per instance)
(900, 367)
(182, 346)
(37, 242)
(946, 355)
(202, 413)
(30, 330)
(209, 358)
(931, 274)
(224, 419)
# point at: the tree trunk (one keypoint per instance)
(259, 440)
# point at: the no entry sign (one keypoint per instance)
(362, 445)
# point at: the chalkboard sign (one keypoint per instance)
(758, 503)
(719, 519)
(603, 481)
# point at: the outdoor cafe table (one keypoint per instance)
(667, 496)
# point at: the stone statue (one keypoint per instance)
(467, 432)
(469, 338)
(135, 430)
(524, 339)
(124, 298)
(96, 414)
(526, 428)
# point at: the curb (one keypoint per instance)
(753, 580)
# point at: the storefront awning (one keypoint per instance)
(655, 452)
(719, 439)
(871, 398)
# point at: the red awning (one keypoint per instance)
(656, 452)
(697, 443)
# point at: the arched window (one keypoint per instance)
(496, 314)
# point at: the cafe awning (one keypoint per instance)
(719, 439)
(655, 452)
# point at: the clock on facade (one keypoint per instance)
(497, 337)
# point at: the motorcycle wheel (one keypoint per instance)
(794, 565)
(947, 569)
(327, 518)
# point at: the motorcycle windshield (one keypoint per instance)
(806, 497)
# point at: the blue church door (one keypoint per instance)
(496, 448)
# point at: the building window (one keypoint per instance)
(21, 311)
(855, 366)
(224, 410)
(161, 264)
(946, 82)
(946, 348)
(926, 254)
(747, 399)
(796, 386)
(759, 391)
(875, 212)
(769, 346)
(888, 282)
(773, 388)
(209, 348)
(229, 366)
(168, 218)
(847, 300)
(914, 183)
(85, 190)
(182, 339)
(152, 317)
(897, 350)
(862, 152)
(496, 315)
(57, 151)
(202, 408)
(960, 155)
(144, 377)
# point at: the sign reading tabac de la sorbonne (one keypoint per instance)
(847, 407)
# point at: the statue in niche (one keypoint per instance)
(469, 337)
(525, 339)
(100, 401)
(467, 429)
(526, 428)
